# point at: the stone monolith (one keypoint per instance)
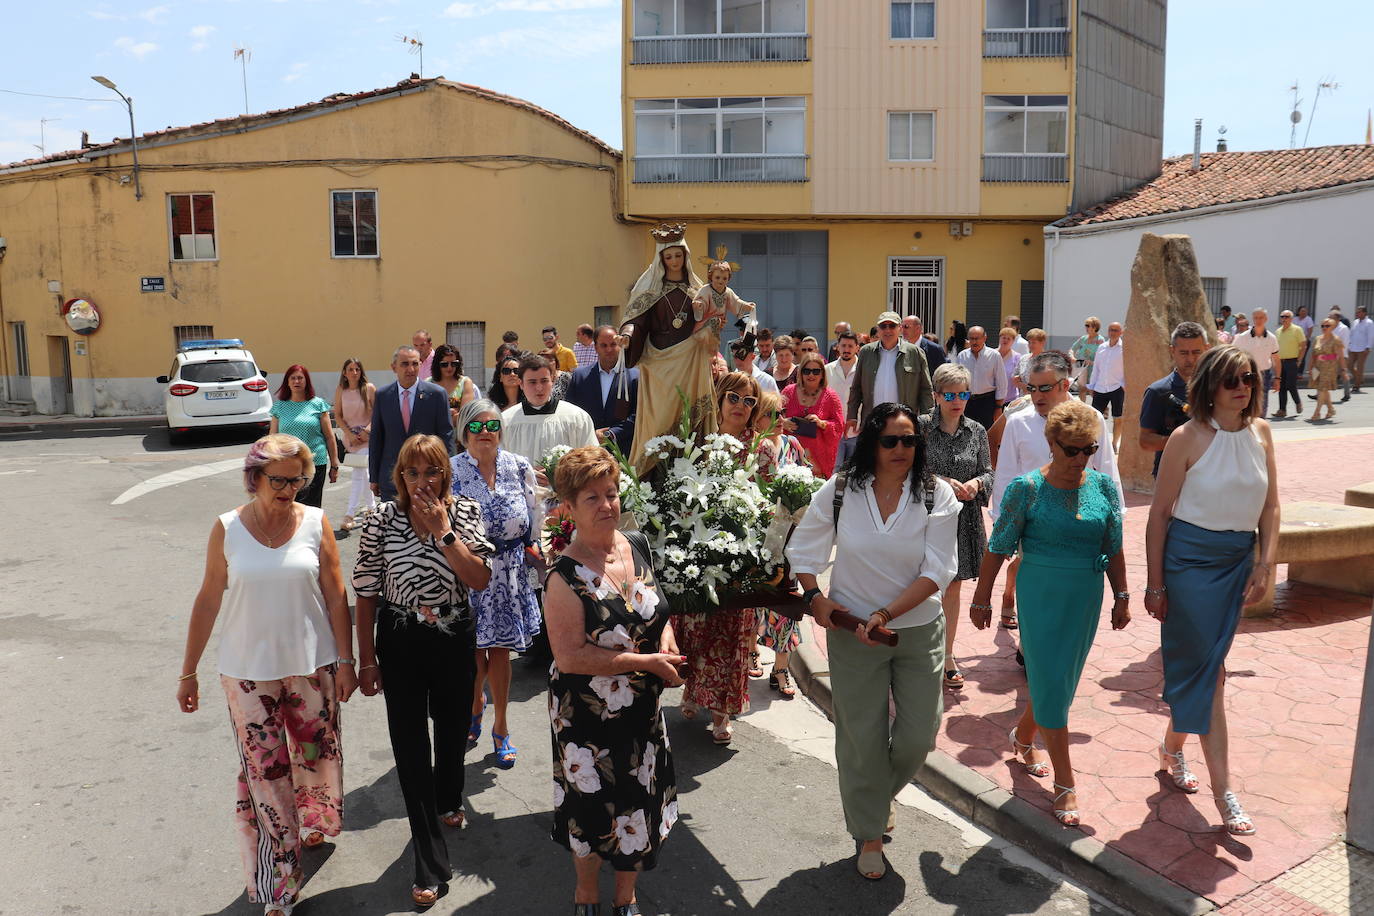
(1165, 290)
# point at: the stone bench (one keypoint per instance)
(1362, 495)
(1324, 544)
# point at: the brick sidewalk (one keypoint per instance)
(1293, 698)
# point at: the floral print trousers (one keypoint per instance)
(717, 647)
(291, 783)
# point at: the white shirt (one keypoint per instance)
(765, 363)
(1260, 348)
(1021, 345)
(1109, 369)
(885, 381)
(1340, 330)
(532, 436)
(1225, 489)
(1361, 334)
(875, 560)
(1025, 448)
(766, 381)
(987, 369)
(839, 380)
(274, 620)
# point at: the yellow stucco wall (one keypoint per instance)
(511, 243)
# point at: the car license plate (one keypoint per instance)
(220, 395)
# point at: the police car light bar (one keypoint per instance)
(226, 343)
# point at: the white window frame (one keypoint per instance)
(934, 20)
(933, 276)
(720, 9)
(911, 120)
(766, 105)
(1025, 109)
(377, 211)
(1025, 25)
(171, 228)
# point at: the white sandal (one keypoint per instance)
(1238, 823)
(278, 909)
(1068, 817)
(1178, 770)
(1040, 769)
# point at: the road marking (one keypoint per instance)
(21, 471)
(195, 472)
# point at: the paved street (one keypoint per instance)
(114, 802)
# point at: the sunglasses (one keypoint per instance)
(281, 483)
(951, 395)
(510, 370)
(448, 365)
(887, 326)
(491, 426)
(1073, 451)
(735, 398)
(1043, 388)
(812, 371)
(907, 441)
(1235, 381)
(414, 474)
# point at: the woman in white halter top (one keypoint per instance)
(1217, 486)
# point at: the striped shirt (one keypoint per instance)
(398, 567)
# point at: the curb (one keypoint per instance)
(1098, 867)
(37, 422)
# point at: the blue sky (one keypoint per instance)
(1229, 62)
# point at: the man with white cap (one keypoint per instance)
(889, 370)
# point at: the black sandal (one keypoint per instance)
(953, 679)
(779, 680)
(755, 669)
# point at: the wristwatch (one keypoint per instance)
(449, 539)
(810, 595)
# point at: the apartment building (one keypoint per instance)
(860, 155)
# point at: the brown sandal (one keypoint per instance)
(453, 819)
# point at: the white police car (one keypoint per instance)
(215, 383)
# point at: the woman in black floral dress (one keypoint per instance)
(614, 790)
(957, 451)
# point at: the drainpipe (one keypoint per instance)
(4, 333)
(1049, 283)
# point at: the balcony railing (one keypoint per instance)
(1026, 43)
(1034, 167)
(668, 169)
(700, 49)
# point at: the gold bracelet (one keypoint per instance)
(187, 677)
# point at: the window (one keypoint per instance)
(659, 18)
(1027, 14)
(355, 224)
(192, 221)
(185, 332)
(1214, 288)
(219, 370)
(913, 20)
(910, 136)
(1364, 295)
(915, 286)
(470, 337)
(1295, 293)
(604, 315)
(1016, 124)
(21, 348)
(731, 139)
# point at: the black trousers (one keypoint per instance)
(312, 494)
(1288, 382)
(427, 675)
(982, 408)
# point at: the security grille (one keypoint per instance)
(470, 337)
(185, 332)
(915, 286)
(1215, 290)
(1296, 293)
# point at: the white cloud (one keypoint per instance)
(468, 10)
(103, 15)
(297, 71)
(139, 49)
(154, 13)
(560, 40)
(201, 34)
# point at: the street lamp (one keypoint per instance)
(133, 135)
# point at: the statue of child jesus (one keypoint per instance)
(715, 302)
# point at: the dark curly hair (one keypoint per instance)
(440, 352)
(864, 461)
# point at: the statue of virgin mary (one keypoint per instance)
(671, 349)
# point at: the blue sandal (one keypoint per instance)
(475, 726)
(505, 751)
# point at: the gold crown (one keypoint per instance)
(721, 257)
(666, 233)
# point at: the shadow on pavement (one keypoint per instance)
(970, 889)
(159, 440)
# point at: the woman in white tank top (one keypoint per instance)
(285, 664)
(1217, 485)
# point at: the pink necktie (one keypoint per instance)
(405, 409)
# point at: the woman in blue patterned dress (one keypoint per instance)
(506, 611)
(1066, 518)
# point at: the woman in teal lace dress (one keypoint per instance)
(1067, 521)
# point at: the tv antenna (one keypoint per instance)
(42, 144)
(1327, 85)
(1294, 116)
(415, 46)
(243, 56)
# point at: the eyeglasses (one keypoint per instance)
(281, 483)
(510, 370)
(413, 474)
(951, 395)
(734, 398)
(907, 441)
(1235, 381)
(550, 339)
(812, 371)
(1073, 451)
(491, 426)
(447, 365)
(1043, 388)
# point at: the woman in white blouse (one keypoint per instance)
(895, 552)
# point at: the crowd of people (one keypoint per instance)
(453, 573)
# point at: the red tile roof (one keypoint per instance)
(220, 125)
(1229, 178)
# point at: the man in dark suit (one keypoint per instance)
(409, 406)
(595, 388)
(889, 370)
(914, 333)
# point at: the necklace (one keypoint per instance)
(291, 517)
(680, 318)
(622, 586)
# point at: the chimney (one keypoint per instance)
(85, 140)
(1197, 144)
(1221, 144)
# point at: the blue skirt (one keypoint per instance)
(1205, 573)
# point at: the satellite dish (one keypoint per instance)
(1295, 116)
(1221, 129)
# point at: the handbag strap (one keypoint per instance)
(841, 484)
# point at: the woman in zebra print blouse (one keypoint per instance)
(419, 556)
